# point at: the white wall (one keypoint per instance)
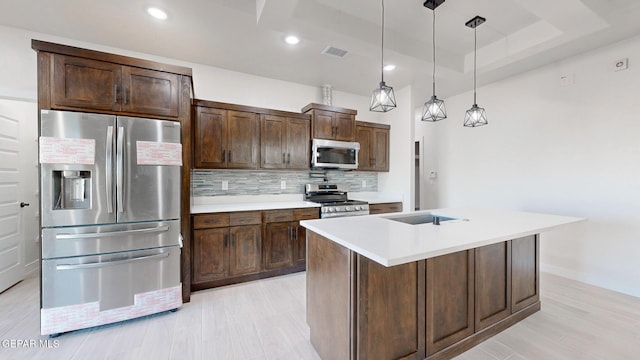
(571, 150)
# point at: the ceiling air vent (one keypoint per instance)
(334, 51)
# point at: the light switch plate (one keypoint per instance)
(225, 185)
(283, 185)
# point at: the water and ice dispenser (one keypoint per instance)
(71, 189)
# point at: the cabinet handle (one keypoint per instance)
(124, 92)
(233, 240)
(224, 155)
(289, 232)
(334, 130)
(289, 158)
(115, 93)
(224, 242)
(297, 232)
(283, 158)
(229, 155)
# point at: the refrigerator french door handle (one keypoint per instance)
(108, 263)
(111, 233)
(109, 170)
(120, 169)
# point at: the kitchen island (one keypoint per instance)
(400, 287)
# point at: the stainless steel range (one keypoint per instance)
(334, 201)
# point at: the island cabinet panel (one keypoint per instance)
(329, 297)
(525, 277)
(450, 299)
(389, 307)
(492, 284)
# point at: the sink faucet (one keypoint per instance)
(436, 220)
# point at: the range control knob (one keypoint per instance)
(348, 208)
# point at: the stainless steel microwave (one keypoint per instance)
(331, 154)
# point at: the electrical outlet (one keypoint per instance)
(364, 183)
(225, 185)
(283, 185)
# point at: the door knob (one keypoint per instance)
(23, 204)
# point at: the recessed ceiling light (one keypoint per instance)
(157, 13)
(389, 67)
(292, 40)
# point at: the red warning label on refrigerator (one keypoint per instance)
(54, 150)
(158, 153)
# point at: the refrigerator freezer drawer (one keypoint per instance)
(88, 291)
(92, 240)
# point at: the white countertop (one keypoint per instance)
(392, 243)
(212, 204)
(373, 197)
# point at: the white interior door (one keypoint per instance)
(12, 241)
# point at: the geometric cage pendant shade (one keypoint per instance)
(383, 99)
(475, 117)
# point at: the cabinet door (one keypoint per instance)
(345, 127)
(525, 274)
(210, 138)
(210, 254)
(278, 245)
(243, 140)
(79, 83)
(364, 135)
(493, 284)
(298, 144)
(450, 299)
(323, 124)
(273, 142)
(150, 92)
(245, 250)
(380, 149)
(300, 244)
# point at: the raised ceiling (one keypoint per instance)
(247, 35)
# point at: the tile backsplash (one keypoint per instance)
(264, 182)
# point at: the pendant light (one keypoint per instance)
(475, 116)
(434, 109)
(382, 99)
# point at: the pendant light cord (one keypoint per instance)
(434, 51)
(475, 65)
(382, 47)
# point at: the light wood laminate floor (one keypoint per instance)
(266, 320)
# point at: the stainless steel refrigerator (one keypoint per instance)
(110, 213)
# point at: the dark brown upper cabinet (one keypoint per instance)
(86, 84)
(330, 122)
(284, 142)
(226, 139)
(374, 146)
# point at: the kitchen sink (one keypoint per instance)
(419, 219)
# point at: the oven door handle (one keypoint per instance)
(109, 263)
(111, 233)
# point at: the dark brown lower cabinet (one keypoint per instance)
(493, 283)
(245, 250)
(525, 278)
(450, 299)
(434, 309)
(278, 245)
(211, 254)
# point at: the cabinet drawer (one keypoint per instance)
(211, 221)
(306, 213)
(385, 208)
(245, 218)
(278, 215)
